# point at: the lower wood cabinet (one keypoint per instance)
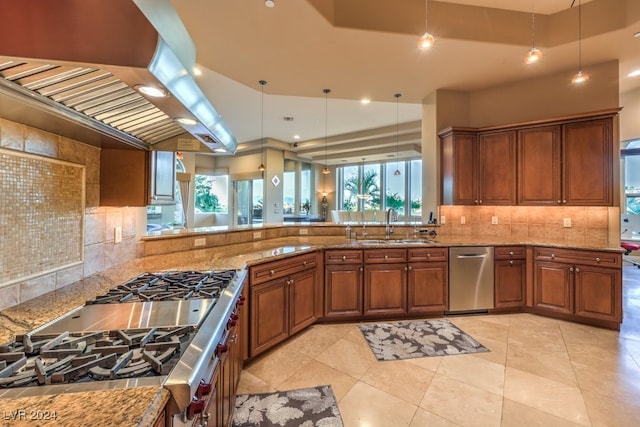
(427, 281)
(579, 285)
(285, 305)
(385, 289)
(343, 272)
(509, 277)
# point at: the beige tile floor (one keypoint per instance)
(539, 372)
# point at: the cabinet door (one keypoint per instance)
(124, 177)
(598, 293)
(509, 276)
(269, 315)
(163, 177)
(302, 300)
(343, 291)
(539, 166)
(553, 287)
(588, 164)
(497, 168)
(428, 287)
(459, 168)
(385, 289)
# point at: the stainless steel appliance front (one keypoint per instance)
(470, 279)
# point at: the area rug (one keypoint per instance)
(306, 407)
(424, 338)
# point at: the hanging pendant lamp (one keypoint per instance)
(534, 54)
(426, 40)
(326, 170)
(580, 76)
(397, 172)
(261, 167)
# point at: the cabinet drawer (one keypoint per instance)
(343, 257)
(274, 270)
(427, 254)
(585, 257)
(509, 252)
(385, 255)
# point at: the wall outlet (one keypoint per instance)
(304, 231)
(117, 234)
(494, 220)
(443, 220)
(201, 241)
(566, 222)
(463, 220)
(257, 234)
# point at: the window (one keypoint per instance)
(631, 155)
(362, 184)
(289, 193)
(211, 194)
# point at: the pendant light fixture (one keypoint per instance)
(261, 167)
(397, 172)
(426, 40)
(580, 76)
(326, 170)
(534, 54)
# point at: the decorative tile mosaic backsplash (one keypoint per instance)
(41, 217)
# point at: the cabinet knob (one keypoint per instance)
(406, 268)
(476, 201)
(597, 259)
(344, 257)
(559, 202)
(570, 268)
(386, 257)
(304, 263)
(511, 253)
(553, 255)
(272, 272)
(577, 270)
(428, 255)
(511, 262)
(480, 201)
(361, 268)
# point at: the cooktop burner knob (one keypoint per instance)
(221, 348)
(203, 389)
(195, 407)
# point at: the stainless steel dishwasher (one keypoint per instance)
(470, 279)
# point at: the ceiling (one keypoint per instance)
(367, 48)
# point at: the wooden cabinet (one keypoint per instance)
(427, 280)
(136, 177)
(509, 277)
(385, 282)
(539, 171)
(587, 172)
(579, 284)
(478, 168)
(343, 283)
(567, 161)
(284, 298)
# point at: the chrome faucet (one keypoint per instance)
(392, 215)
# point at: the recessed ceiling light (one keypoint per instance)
(220, 150)
(365, 101)
(269, 3)
(197, 71)
(296, 136)
(152, 91)
(636, 34)
(634, 73)
(188, 121)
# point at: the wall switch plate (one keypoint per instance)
(566, 222)
(257, 234)
(304, 231)
(443, 220)
(463, 220)
(494, 220)
(117, 234)
(201, 241)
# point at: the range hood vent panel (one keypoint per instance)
(90, 66)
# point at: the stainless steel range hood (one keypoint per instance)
(84, 61)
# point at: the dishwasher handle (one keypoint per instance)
(459, 256)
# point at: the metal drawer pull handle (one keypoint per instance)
(386, 257)
(304, 263)
(511, 253)
(428, 255)
(553, 255)
(577, 270)
(272, 272)
(570, 268)
(511, 262)
(344, 257)
(597, 259)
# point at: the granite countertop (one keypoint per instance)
(140, 406)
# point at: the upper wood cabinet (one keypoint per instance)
(567, 161)
(478, 168)
(137, 177)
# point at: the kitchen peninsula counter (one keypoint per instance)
(140, 406)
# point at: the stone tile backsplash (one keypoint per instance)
(93, 232)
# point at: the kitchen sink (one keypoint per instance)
(374, 242)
